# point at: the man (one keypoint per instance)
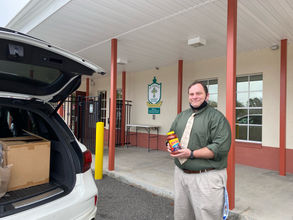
(200, 173)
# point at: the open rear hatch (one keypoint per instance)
(31, 68)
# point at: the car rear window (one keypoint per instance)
(17, 122)
(24, 72)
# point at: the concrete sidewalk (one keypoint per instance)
(260, 194)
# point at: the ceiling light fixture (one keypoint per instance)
(122, 61)
(197, 42)
(275, 47)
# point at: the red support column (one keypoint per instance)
(283, 94)
(87, 87)
(123, 108)
(179, 89)
(112, 129)
(231, 93)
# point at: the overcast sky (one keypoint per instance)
(9, 8)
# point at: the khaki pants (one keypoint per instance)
(199, 196)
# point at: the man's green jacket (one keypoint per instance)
(210, 129)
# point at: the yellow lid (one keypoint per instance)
(171, 132)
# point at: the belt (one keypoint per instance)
(197, 171)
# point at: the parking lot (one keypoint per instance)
(118, 200)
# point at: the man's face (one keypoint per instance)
(197, 95)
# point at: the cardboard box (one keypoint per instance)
(30, 159)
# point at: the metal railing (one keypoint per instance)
(81, 114)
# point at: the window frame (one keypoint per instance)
(248, 125)
(103, 94)
(207, 83)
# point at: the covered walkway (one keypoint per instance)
(259, 194)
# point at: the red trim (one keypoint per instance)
(80, 93)
(247, 144)
(262, 157)
(283, 87)
(179, 89)
(231, 93)
(123, 108)
(106, 136)
(289, 161)
(249, 154)
(142, 141)
(113, 104)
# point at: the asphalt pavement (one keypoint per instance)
(259, 193)
(117, 200)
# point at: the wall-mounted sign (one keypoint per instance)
(154, 111)
(154, 97)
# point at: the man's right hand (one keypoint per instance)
(168, 148)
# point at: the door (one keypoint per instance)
(80, 114)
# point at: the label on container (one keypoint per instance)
(174, 144)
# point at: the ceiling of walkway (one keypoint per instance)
(153, 33)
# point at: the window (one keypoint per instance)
(249, 108)
(212, 85)
(103, 99)
(28, 72)
(18, 122)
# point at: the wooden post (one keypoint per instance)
(231, 94)
(179, 89)
(113, 92)
(283, 103)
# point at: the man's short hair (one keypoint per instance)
(201, 83)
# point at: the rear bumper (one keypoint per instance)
(88, 216)
(79, 204)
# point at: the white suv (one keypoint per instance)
(32, 75)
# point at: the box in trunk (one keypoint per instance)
(30, 159)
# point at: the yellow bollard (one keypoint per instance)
(99, 150)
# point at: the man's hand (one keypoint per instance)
(203, 153)
(168, 148)
(181, 153)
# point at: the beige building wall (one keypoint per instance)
(82, 86)
(265, 61)
(137, 90)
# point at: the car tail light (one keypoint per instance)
(96, 199)
(87, 160)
